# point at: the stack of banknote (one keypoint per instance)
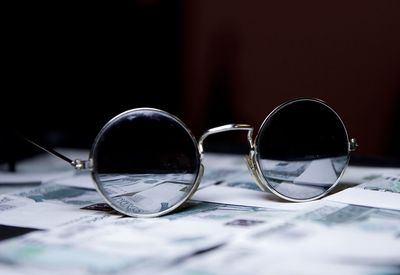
(229, 226)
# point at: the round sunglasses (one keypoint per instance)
(145, 162)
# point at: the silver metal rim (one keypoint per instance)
(254, 154)
(92, 160)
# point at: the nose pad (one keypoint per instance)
(253, 170)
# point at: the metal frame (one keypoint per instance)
(263, 183)
(92, 162)
(251, 159)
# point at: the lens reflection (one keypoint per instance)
(302, 149)
(145, 162)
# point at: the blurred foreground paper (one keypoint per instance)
(381, 192)
(48, 206)
(9, 178)
(369, 198)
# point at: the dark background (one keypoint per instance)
(70, 66)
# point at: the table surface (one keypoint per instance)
(229, 226)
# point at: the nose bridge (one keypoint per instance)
(227, 128)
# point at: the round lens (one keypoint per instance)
(145, 163)
(302, 149)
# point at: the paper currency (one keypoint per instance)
(238, 196)
(245, 259)
(11, 178)
(229, 228)
(135, 245)
(227, 170)
(384, 183)
(333, 234)
(360, 174)
(344, 216)
(381, 192)
(49, 206)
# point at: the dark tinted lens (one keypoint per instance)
(145, 162)
(302, 149)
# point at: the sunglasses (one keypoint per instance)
(146, 163)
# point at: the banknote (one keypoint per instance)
(381, 191)
(227, 170)
(231, 217)
(206, 238)
(50, 205)
(119, 184)
(345, 216)
(319, 171)
(244, 258)
(283, 170)
(333, 234)
(336, 232)
(385, 183)
(250, 185)
(123, 245)
(229, 177)
(229, 227)
(112, 248)
(61, 194)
